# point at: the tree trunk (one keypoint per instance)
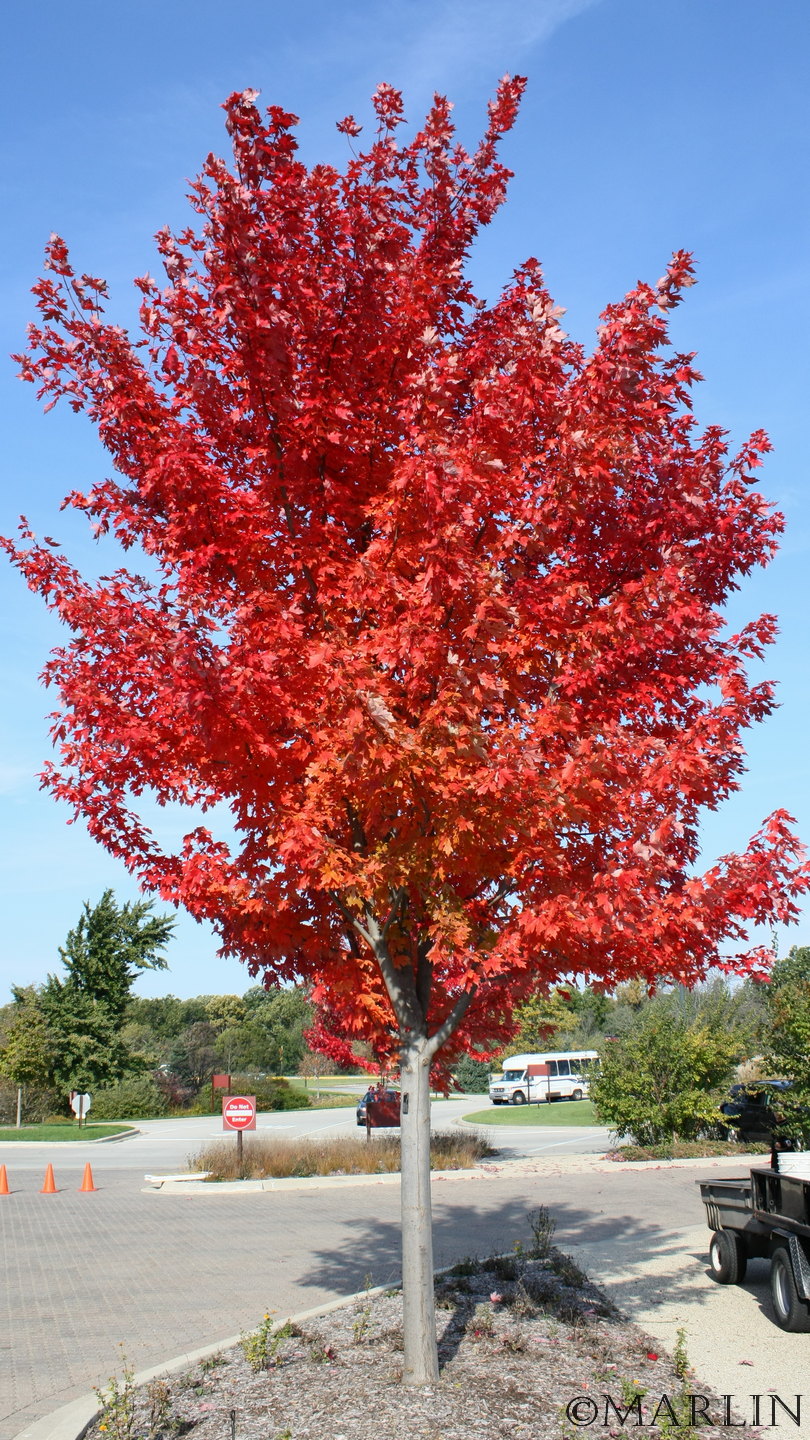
(419, 1315)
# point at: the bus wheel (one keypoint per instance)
(576, 1095)
(518, 1098)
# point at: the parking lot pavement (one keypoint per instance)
(164, 1275)
(87, 1271)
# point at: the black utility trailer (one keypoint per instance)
(765, 1214)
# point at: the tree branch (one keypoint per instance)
(358, 833)
(398, 979)
(454, 1019)
(424, 975)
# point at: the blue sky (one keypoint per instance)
(647, 126)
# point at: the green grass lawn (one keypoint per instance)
(559, 1112)
(9, 1133)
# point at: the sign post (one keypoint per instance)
(239, 1114)
(80, 1104)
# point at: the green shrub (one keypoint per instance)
(666, 1076)
(271, 1094)
(135, 1096)
(277, 1094)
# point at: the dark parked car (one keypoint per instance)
(374, 1094)
(753, 1111)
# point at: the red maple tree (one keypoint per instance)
(431, 602)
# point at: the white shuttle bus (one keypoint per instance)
(552, 1075)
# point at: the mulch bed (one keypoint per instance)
(529, 1349)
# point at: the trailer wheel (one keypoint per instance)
(727, 1257)
(518, 1098)
(790, 1311)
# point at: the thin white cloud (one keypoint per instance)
(455, 37)
(17, 777)
(454, 47)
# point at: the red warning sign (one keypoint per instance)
(239, 1112)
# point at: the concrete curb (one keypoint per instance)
(491, 1170)
(255, 1187)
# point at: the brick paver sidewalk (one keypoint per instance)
(162, 1274)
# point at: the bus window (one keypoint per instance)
(552, 1067)
(563, 1068)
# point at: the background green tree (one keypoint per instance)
(472, 1075)
(564, 1019)
(68, 1033)
(162, 1016)
(540, 1022)
(25, 1056)
(108, 949)
(194, 1055)
(787, 1044)
(791, 969)
(225, 1012)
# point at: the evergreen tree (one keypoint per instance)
(472, 1075)
(68, 1032)
(109, 947)
(86, 1048)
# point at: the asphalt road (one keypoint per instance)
(164, 1145)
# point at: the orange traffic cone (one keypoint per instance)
(87, 1181)
(4, 1190)
(49, 1188)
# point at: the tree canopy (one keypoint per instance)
(25, 1053)
(432, 600)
